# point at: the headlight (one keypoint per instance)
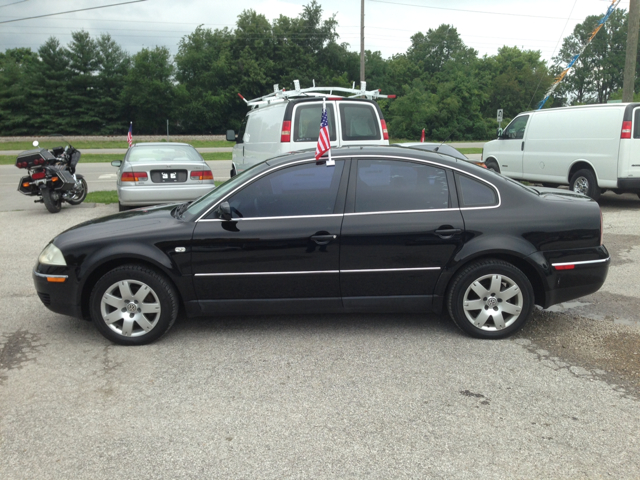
(51, 255)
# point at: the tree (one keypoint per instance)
(14, 90)
(112, 66)
(148, 94)
(82, 96)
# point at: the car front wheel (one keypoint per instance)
(133, 305)
(490, 299)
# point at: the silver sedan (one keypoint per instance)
(156, 173)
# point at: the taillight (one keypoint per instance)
(285, 135)
(202, 175)
(134, 177)
(38, 175)
(385, 133)
(626, 130)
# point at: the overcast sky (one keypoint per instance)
(484, 25)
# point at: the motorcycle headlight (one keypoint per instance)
(51, 255)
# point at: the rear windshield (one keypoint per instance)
(359, 122)
(161, 153)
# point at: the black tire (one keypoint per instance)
(123, 320)
(79, 195)
(492, 165)
(52, 200)
(122, 208)
(233, 172)
(512, 300)
(584, 181)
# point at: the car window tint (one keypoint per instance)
(391, 185)
(178, 153)
(476, 194)
(307, 189)
(306, 123)
(359, 122)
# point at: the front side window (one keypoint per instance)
(516, 128)
(359, 122)
(307, 189)
(393, 185)
(306, 123)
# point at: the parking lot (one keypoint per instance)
(316, 396)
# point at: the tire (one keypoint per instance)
(584, 181)
(133, 305)
(492, 165)
(79, 195)
(502, 293)
(233, 172)
(52, 200)
(122, 208)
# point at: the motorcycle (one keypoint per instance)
(52, 176)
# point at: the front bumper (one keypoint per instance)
(57, 289)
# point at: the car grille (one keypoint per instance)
(45, 298)
(168, 176)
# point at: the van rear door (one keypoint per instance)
(361, 123)
(629, 162)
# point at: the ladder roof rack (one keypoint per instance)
(282, 94)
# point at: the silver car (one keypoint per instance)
(156, 173)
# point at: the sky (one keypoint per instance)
(484, 25)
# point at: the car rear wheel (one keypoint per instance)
(490, 299)
(133, 305)
(584, 182)
(122, 208)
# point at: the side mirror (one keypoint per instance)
(499, 132)
(36, 143)
(225, 211)
(231, 136)
(116, 163)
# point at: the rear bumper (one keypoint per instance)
(582, 278)
(140, 195)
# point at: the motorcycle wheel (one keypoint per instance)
(79, 195)
(52, 200)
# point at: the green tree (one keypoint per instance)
(148, 94)
(112, 66)
(82, 93)
(14, 90)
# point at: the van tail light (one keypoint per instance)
(134, 177)
(626, 130)
(385, 133)
(201, 175)
(285, 135)
(38, 175)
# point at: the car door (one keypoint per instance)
(280, 250)
(509, 150)
(401, 227)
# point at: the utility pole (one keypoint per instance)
(362, 41)
(632, 51)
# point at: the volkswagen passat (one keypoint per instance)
(386, 229)
(156, 173)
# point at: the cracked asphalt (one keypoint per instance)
(321, 396)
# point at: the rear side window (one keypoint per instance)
(474, 193)
(393, 185)
(306, 123)
(307, 189)
(359, 122)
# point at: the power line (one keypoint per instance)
(73, 11)
(8, 4)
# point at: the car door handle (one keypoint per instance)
(448, 232)
(323, 239)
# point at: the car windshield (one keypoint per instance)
(199, 206)
(162, 153)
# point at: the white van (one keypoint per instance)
(591, 148)
(287, 121)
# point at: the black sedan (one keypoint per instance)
(385, 229)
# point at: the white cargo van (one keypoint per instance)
(591, 148)
(287, 121)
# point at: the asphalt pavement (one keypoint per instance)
(318, 396)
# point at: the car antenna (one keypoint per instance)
(443, 142)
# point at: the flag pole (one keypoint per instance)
(330, 162)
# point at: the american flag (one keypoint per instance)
(130, 134)
(324, 143)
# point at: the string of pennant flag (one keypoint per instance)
(559, 78)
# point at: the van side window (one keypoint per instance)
(306, 123)
(636, 123)
(515, 130)
(474, 193)
(393, 185)
(359, 122)
(243, 127)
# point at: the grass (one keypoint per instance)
(111, 196)
(48, 143)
